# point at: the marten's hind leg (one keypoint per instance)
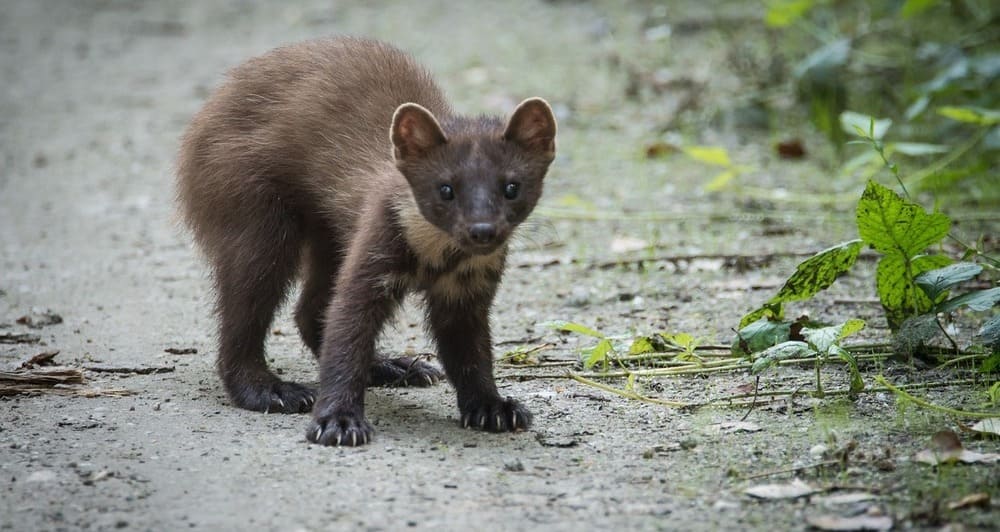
(255, 264)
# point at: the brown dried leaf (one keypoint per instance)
(41, 359)
(660, 149)
(790, 149)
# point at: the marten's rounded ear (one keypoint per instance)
(533, 126)
(415, 131)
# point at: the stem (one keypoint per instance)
(626, 393)
(927, 404)
(946, 335)
(819, 383)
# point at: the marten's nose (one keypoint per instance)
(482, 233)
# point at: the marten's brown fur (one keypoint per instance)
(339, 160)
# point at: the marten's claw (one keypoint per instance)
(404, 371)
(338, 427)
(498, 415)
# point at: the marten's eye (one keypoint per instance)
(510, 190)
(447, 193)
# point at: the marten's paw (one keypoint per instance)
(276, 396)
(404, 371)
(339, 427)
(498, 415)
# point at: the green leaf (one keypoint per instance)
(900, 296)
(641, 345)
(864, 126)
(568, 326)
(720, 181)
(822, 65)
(857, 383)
(785, 350)
(971, 115)
(782, 13)
(811, 276)
(598, 354)
(709, 155)
(989, 334)
(979, 300)
(936, 282)
(912, 8)
(761, 335)
(916, 149)
(891, 224)
(825, 338)
(682, 340)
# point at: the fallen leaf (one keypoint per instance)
(856, 522)
(41, 359)
(37, 320)
(624, 244)
(660, 149)
(792, 490)
(980, 500)
(987, 426)
(840, 499)
(946, 448)
(790, 149)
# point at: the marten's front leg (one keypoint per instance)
(461, 328)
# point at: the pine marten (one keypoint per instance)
(339, 161)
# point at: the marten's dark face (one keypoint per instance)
(476, 191)
(481, 180)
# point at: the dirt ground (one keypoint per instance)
(95, 96)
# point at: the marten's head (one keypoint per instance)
(475, 179)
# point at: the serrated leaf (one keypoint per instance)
(598, 354)
(916, 149)
(761, 335)
(936, 282)
(891, 224)
(900, 296)
(811, 276)
(768, 310)
(782, 13)
(864, 126)
(785, 350)
(641, 345)
(682, 340)
(979, 300)
(825, 338)
(709, 155)
(971, 115)
(569, 326)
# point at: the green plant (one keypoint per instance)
(817, 343)
(911, 283)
